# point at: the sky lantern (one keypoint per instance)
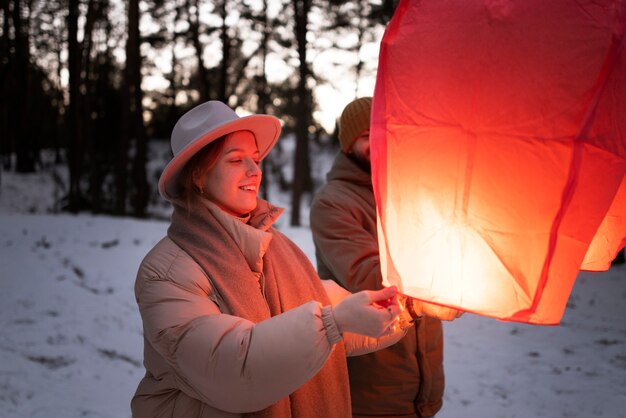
(499, 151)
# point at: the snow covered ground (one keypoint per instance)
(71, 343)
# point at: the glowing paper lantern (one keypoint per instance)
(499, 151)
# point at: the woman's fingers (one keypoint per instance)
(370, 312)
(382, 297)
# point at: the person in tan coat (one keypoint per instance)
(236, 320)
(407, 379)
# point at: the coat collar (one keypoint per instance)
(347, 170)
(252, 237)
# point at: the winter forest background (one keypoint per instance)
(90, 90)
(96, 80)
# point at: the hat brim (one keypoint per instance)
(265, 129)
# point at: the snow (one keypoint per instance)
(71, 342)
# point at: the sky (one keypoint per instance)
(71, 344)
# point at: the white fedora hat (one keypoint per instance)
(205, 123)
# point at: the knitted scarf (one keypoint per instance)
(289, 281)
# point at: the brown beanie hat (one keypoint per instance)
(354, 119)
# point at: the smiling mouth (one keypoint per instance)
(248, 188)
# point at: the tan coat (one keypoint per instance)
(202, 362)
(407, 378)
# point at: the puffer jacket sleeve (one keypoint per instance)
(225, 361)
(350, 251)
(356, 344)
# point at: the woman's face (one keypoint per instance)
(233, 182)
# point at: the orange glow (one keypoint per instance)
(499, 164)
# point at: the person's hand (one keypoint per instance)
(369, 312)
(433, 310)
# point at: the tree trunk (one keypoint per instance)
(25, 144)
(121, 166)
(60, 107)
(264, 96)
(360, 34)
(131, 126)
(172, 91)
(7, 83)
(194, 28)
(388, 8)
(222, 88)
(74, 123)
(94, 169)
(302, 171)
(133, 76)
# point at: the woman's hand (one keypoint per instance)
(369, 312)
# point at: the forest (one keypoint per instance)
(93, 81)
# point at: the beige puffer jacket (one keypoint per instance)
(203, 362)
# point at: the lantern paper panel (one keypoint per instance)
(607, 239)
(498, 145)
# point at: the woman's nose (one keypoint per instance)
(252, 168)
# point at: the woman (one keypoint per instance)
(236, 321)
